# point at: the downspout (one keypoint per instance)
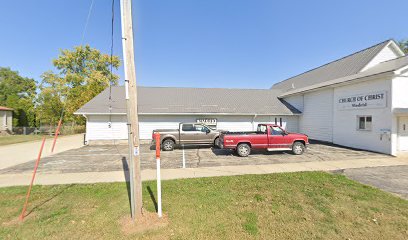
(86, 129)
(253, 121)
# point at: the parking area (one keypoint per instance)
(106, 158)
(393, 179)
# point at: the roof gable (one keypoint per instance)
(346, 66)
(389, 52)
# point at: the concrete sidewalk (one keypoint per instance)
(18, 153)
(150, 174)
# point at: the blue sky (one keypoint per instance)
(212, 43)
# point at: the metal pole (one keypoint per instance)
(159, 199)
(56, 135)
(132, 113)
(22, 215)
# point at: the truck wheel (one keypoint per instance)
(298, 148)
(168, 145)
(243, 150)
(217, 142)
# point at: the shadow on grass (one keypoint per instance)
(125, 167)
(48, 199)
(149, 189)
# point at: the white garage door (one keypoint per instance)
(317, 118)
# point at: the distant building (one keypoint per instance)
(6, 119)
(357, 101)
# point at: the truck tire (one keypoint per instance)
(217, 142)
(243, 150)
(298, 148)
(168, 145)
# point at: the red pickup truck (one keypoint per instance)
(268, 136)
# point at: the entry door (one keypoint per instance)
(403, 134)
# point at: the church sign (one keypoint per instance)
(361, 101)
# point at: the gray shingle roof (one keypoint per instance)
(346, 66)
(381, 68)
(168, 100)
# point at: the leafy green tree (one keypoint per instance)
(84, 72)
(19, 93)
(404, 45)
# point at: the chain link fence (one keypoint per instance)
(67, 129)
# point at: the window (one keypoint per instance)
(276, 131)
(364, 123)
(261, 129)
(280, 122)
(188, 127)
(200, 128)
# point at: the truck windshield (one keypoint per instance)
(276, 131)
(201, 128)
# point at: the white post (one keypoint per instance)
(184, 158)
(159, 200)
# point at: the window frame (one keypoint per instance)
(366, 128)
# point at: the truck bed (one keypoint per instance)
(244, 133)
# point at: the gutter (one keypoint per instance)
(319, 86)
(170, 114)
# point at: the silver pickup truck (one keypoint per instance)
(187, 134)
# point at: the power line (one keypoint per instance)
(111, 62)
(87, 21)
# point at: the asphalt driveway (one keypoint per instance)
(392, 179)
(106, 158)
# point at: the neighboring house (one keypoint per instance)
(227, 109)
(357, 101)
(6, 119)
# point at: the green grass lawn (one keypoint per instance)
(5, 140)
(311, 205)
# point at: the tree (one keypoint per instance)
(84, 72)
(19, 93)
(404, 45)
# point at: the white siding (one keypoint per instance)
(97, 127)
(399, 100)
(317, 118)
(149, 123)
(6, 120)
(296, 101)
(345, 121)
(399, 92)
(385, 54)
(229, 123)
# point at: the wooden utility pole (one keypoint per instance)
(131, 96)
